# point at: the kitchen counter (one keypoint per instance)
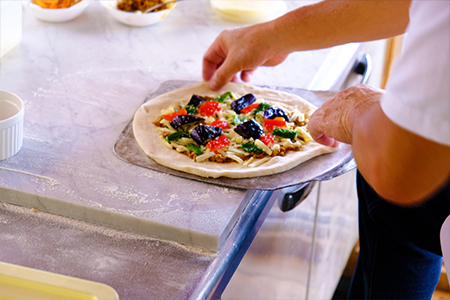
(81, 82)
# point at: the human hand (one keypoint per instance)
(241, 50)
(333, 121)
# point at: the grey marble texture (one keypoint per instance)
(81, 82)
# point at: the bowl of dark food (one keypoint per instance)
(134, 12)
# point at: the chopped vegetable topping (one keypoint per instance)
(242, 102)
(194, 148)
(249, 108)
(249, 129)
(191, 109)
(203, 133)
(209, 108)
(261, 107)
(170, 117)
(181, 120)
(275, 112)
(223, 97)
(237, 120)
(217, 143)
(196, 100)
(177, 135)
(220, 123)
(267, 139)
(284, 133)
(278, 122)
(251, 148)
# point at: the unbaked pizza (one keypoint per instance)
(240, 131)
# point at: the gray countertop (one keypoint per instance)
(81, 82)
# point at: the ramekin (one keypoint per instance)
(11, 124)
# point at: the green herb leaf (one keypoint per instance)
(237, 120)
(191, 109)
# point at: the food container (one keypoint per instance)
(56, 15)
(10, 25)
(249, 11)
(137, 19)
(11, 124)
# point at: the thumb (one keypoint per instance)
(318, 135)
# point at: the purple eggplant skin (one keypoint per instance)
(249, 129)
(242, 102)
(274, 112)
(202, 134)
(179, 121)
(196, 100)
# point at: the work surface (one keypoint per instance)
(81, 82)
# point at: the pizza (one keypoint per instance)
(239, 132)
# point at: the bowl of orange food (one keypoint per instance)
(56, 10)
(132, 12)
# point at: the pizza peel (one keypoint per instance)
(324, 167)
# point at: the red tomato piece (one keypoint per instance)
(209, 108)
(220, 123)
(171, 116)
(267, 139)
(217, 143)
(249, 108)
(278, 122)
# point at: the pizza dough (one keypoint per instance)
(148, 137)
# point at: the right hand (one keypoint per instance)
(240, 50)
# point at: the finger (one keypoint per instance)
(212, 60)
(247, 75)
(224, 74)
(327, 141)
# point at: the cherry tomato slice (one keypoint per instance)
(209, 108)
(217, 143)
(171, 116)
(249, 108)
(278, 122)
(220, 123)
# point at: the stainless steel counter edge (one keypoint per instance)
(222, 268)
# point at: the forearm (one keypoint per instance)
(401, 166)
(330, 23)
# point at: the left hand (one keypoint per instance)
(333, 121)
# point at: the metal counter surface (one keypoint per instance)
(81, 82)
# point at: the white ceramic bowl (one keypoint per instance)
(135, 18)
(11, 124)
(56, 15)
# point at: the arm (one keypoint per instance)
(402, 167)
(321, 25)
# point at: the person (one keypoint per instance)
(400, 136)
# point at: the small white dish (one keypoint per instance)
(138, 18)
(56, 15)
(11, 124)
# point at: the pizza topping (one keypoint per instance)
(284, 133)
(246, 131)
(275, 112)
(196, 100)
(182, 120)
(271, 124)
(217, 143)
(251, 147)
(194, 148)
(220, 123)
(249, 129)
(204, 133)
(242, 102)
(209, 108)
(223, 97)
(267, 139)
(171, 116)
(249, 108)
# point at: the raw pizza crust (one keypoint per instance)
(148, 139)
